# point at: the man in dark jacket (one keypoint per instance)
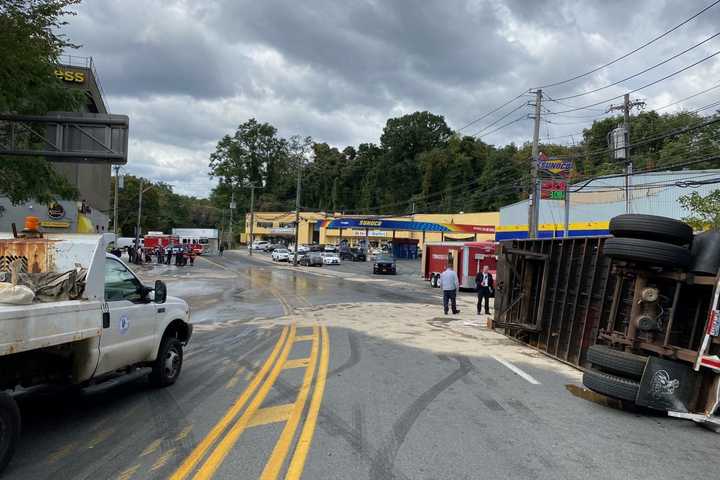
(485, 284)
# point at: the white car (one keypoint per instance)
(330, 248)
(330, 258)
(303, 249)
(281, 255)
(260, 245)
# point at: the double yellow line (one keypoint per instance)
(218, 443)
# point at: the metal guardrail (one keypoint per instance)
(84, 62)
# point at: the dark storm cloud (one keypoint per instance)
(189, 72)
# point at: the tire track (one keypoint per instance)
(383, 462)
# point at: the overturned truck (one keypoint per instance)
(636, 311)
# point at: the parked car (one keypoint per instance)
(274, 246)
(330, 258)
(260, 245)
(353, 254)
(331, 248)
(311, 259)
(281, 255)
(384, 264)
(303, 248)
(317, 248)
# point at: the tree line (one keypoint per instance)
(421, 165)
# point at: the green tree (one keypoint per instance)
(704, 210)
(29, 48)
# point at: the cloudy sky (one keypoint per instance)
(188, 72)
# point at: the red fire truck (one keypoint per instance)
(467, 259)
(156, 239)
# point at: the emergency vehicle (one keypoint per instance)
(467, 259)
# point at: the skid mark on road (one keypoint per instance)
(382, 467)
(354, 358)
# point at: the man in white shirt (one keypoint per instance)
(449, 283)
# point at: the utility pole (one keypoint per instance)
(115, 206)
(626, 106)
(232, 207)
(566, 226)
(534, 201)
(297, 209)
(252, 215)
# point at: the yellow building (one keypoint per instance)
(315, 227)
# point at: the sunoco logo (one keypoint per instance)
(56, 211)
(555, 166)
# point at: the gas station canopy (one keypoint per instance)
(407, 225)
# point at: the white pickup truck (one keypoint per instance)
(117, 325)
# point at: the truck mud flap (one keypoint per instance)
(668, 385)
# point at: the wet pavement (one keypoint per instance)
(333, 373)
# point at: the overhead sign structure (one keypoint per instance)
(383, 224)
(66, 137)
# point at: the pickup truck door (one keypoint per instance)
(130, 337)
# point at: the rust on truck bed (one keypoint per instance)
(36, 254)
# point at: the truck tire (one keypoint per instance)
(606, 358)
(647, 251)
(166, 368)
(651, 227)
(9, 428)
(611, 385)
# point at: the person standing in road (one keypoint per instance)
(221, 249)
(449, 283)
(485, 286)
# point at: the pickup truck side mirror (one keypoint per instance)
(160, 291)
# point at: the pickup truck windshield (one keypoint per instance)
(120, 283)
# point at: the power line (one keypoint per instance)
(499, 119)
(524, 117)
(688, 98)
(650, 42)
(643, 87)
(588, 92)
(493, 111)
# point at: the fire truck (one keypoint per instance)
(160, 239)
(467, 259)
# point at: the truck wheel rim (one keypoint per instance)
(172, 363)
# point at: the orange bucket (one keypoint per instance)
(32, 223)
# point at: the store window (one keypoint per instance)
(264, 224)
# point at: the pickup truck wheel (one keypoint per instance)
(606, 358)
(9, 428)
(166, 369)
(611, 385)
(647, 251)
(651, 227)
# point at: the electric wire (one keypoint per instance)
(655, 82)
(595, 90)
(626, 55)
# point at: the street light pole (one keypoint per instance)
(137, 227)
(115, 206)
(232, 207)
(297, 210)
(252, 215)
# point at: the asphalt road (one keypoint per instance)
(335, 374)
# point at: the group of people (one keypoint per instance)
(163, 256)
(484, 285)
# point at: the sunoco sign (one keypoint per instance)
(554, 166)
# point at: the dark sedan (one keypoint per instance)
(384, 264)
(311, 259)
(353, 254)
